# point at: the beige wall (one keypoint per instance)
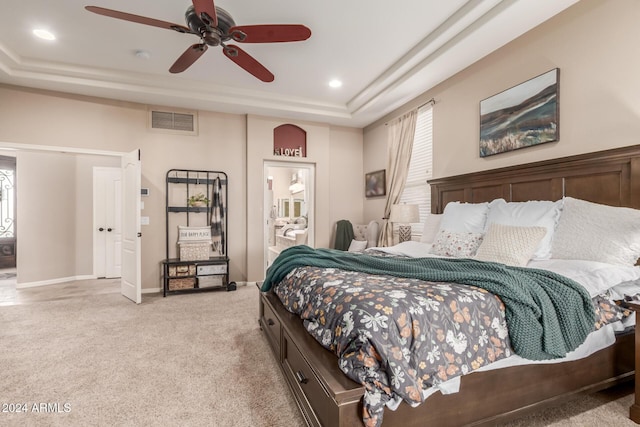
(375, 159)
(235, 144)
(336, 153)
(46, 223)
(52, 119)
(346, 177)
(55, 200)
(595, 45)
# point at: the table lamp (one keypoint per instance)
(403, 215)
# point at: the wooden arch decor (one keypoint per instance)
(289, 140)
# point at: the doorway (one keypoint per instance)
(8, 231)
(43, 257)
(288, 207)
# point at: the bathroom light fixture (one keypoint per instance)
(335, 83)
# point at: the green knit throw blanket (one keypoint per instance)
(548, 315)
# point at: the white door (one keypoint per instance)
(107, 222)
(131, 285)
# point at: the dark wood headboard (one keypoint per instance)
(610, 177)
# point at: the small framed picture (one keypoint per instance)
(375, 184)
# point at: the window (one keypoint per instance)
(416, 189)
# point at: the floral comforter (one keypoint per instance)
(400, 336)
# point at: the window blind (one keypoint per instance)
(416, 190)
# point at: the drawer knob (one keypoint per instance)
(270, 322)
(301, 378)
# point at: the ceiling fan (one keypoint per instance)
(215, 27)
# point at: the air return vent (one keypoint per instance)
(174, 122)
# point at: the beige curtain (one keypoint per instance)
(401, 134)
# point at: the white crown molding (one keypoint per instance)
(465, 36)
(159, 90)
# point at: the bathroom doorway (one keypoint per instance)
(288, 207)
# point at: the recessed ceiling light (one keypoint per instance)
(44, 34)
(335, 83)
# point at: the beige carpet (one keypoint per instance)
(184, 360)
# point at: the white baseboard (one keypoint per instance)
(91, 277)
(54, 281)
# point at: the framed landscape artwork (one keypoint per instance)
(375, 184)
(522, 116)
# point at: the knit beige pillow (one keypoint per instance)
(510, 245)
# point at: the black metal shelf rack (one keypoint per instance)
(194, 274)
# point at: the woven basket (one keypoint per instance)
(185, 283)
(182, 270)
(194, 251)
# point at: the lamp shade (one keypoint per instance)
(404, 213)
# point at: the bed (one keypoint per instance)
(326, 396)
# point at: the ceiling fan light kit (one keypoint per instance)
(215, 27)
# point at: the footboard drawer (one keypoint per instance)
(313, 399)
(271, 326)
(324, 394)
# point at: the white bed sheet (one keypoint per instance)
(597, 278)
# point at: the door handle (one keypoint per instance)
(101, 229)
(109, 229)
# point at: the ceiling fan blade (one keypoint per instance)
(247, 62)
(189, 56)
(207, 7)
(272, 33)
(138, 19)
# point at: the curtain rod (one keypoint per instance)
(432, 101)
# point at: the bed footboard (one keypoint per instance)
(324, 395)
(327, 397)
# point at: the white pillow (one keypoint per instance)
(464, 217)
(510, 245)
(357, 245)
(456, 244)
(431, 227)
(534, 213)
(595, 232)
(595, 277)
